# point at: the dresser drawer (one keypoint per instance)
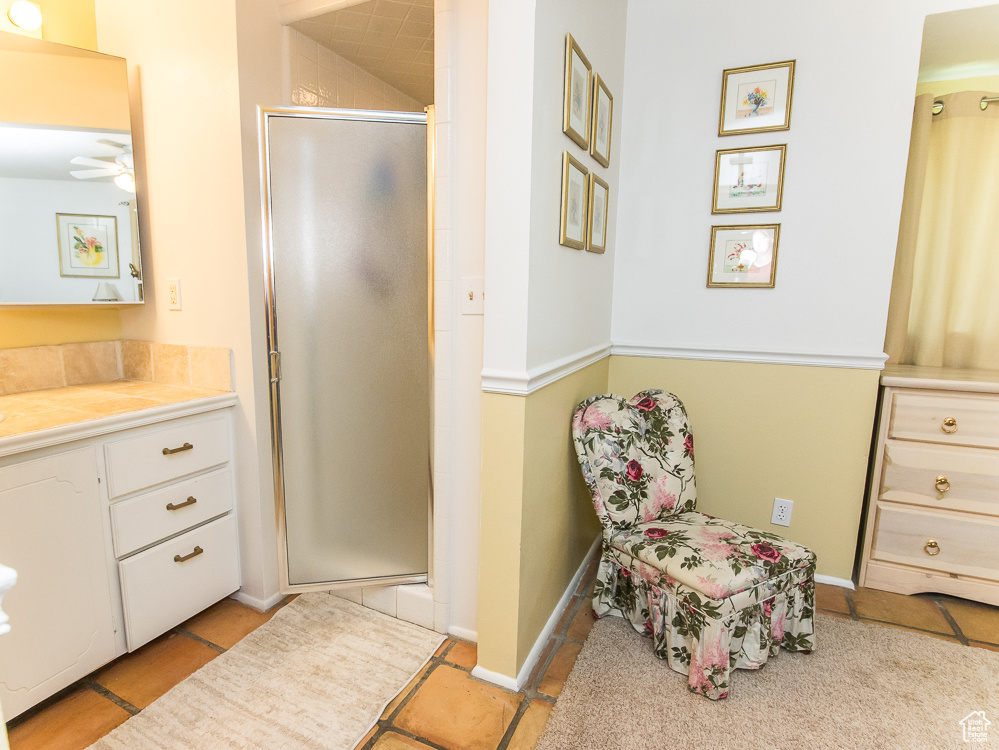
(954, 419)
(146, 519)
(967, 544)
(161, 589)
(146, 460)
(941, 476)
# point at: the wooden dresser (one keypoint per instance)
(932, 519)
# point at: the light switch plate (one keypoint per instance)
(472, 294)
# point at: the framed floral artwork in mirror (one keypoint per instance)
(576, 96)
(574, 202)
(88, 245)
(743, 256)
(756, 99)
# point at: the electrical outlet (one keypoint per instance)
(173, 294)
(782, 512)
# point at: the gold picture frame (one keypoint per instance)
(602, 121)
(577, 94)
(743, 256)
(575, 189)
(749, 179)
(88, 245)
(598, 208)
(756, 99)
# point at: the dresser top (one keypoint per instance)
(940, 378)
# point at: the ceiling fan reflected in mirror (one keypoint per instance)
(118, 165)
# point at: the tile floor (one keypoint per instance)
(443, 708)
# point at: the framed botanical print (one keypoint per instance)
(574, 202)
(596, 215)
(602, 120)
(88, 245)
(756, 99)
(576, 96)
(749, 179)
(743, 256)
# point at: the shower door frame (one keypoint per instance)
(273, 350)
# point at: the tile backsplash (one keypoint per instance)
(36, 368)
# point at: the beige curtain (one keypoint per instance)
(944, 309)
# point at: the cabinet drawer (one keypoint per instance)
(917, 472)
(146, 519)
(154, 457)
(159, 592)
(924, 416)
(968, 545)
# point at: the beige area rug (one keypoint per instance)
(865, 686)
(317, 675)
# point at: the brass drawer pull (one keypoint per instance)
(181, 449)
(931, 547)
(189, 501)
(942, 484)
(949, 425)
(198, 551)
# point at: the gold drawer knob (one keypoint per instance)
(949, 425)
(942, 484)
(931, 547)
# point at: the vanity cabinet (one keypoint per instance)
(116, 538)
(933, 512)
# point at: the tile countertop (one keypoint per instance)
(57, 407)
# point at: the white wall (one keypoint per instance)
(855, 81)
(29, 253)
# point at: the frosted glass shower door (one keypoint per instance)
(347, 267)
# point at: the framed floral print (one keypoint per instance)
(748, 179)
(756, 99)
(574, 202)
(576, 97)
(602, 120)
(596, 215)
(88, 245)
(743, 256)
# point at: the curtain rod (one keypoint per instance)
(938, 106)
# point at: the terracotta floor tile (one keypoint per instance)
(566, 618)
(364, 740)
(989, 646)
(536, 675)
(531, 726)
(443, 647)
(227, 622)
(978, 622)
(915, 611)
(144, 675)
(394, 704)
(940, 636)
(393, 741)
(453, 710)
(463, 654)
(582, 623)
(76, 721)
(831, 598)
(840, 615)
(558, 670)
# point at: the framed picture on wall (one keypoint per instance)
(596, 215)
(88, 245)
(576, 96)
(743, 256)
(574, 202)
(602, 120)
(756, 99)
(748, 179)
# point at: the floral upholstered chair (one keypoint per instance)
(712, 594)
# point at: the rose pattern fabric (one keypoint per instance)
(713, 595)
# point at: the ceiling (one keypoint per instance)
(961, 44)
(391, 39)
(38, 153)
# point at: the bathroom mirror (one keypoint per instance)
(67, 201)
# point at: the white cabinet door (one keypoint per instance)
(51, 533)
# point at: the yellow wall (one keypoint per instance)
(765, 430)
(939, 88)
(536, 518)
(71, 22)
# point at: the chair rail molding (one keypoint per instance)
(8, 577)
(853, 361)
(526, 382)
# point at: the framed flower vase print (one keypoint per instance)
(748, 179)
(574, 202)
(88, 245)
(596, 215)
(601, 122)
(743, 256)
(576, 103)
(756, 99)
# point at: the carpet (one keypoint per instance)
(865, 686)
(317, 675)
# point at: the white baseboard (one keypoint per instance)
(507, 683)
(465, 634)
(845, 583)
(261, 605)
